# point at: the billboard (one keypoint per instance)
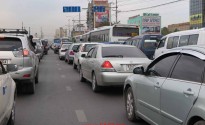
(196, 19)
(151, 25)
(102, 16)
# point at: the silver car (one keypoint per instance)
(39, 48)
(62, 50)
(7, 96)
(69, 55)
(16, 49)
(170, 91)
(109, 65)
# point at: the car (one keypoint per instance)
(110, 65)
(82, 49)
(7, 95)
(146, 43)
(179, 39)
(69, 55)
(170, 91)
(45, 46)
(63, 50)
(16, 48)
(39, 47)
(56, 45)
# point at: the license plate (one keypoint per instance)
(129, 67)
(4, 61)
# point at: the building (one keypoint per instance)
(78, 29)
(179, 27)
(98, 19)
(61, 33)
(148, 23)
(197, 14)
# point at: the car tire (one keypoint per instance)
(74, 66)
(12, 116)
(95, 86)
(130, 105)
(201, 122)
(82, 79)
(32, 87)
(36, 78)
(70, 61)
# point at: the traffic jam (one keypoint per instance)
(109, 74)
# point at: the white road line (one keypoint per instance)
(62, 76)
(81, 116)
(68, 88)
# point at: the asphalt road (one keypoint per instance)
(61, 99)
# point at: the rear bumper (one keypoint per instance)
(18, 75)
(112, 78)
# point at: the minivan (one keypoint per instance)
(181, 38)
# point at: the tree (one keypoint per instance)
(176, 30)
(165, 31)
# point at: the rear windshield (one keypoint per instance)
(122, 52)
(10, 44)
(150, 42)
(65, 46)
(75, 47)
(87, 47)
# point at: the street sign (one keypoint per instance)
(99, 8)
(71, 9)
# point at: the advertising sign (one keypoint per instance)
(196, 19)
(151, 25)
(102, 16)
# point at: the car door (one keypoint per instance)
(149, 88)
(93, 63)
(180, 91)
(86, 65)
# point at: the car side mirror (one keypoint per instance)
(83, 55)
(138, 70)
(11, 67)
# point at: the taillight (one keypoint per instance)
(25, 52)
(71, 53)
(107, 67)
(27, 75)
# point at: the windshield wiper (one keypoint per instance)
(121, 56)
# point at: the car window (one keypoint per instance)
(90, 52)
(170, 42)
(188, 68)
(75, 47)
(1, 69)
(10, 44)
(87, 47)
(193, 39)
(184, 40)
(162, 42)
(94, 54)
(175, 41)
(122, 52)
(163, 66)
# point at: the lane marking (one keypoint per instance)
(68, 88)
(81, 116)
(62, 76)
(59, 69)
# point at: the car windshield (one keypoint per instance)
(87, 47)
(65, 46)
(122, 52)
(10, 44)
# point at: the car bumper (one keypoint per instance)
(112, 78)
(19, 75)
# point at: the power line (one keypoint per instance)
(154, 6)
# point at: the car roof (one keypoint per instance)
(115, 45)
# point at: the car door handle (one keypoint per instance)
(157, 85)
(188, 92)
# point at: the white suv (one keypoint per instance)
(15, 48)
(7, 97)
(82, 49)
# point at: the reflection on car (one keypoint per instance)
(170, 91)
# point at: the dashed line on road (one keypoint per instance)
(81, 115)
(59, 69)
(68, 88)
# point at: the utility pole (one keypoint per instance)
(22, 25)
(116, 11)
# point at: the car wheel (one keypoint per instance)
(202, 122)
(130, 105)
(36, 78)
(74, 66)
(12, 116)
(82, 79)
(32, 87)
(95, 86)
(69, 61)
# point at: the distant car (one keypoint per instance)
(45, 45)
(63, 50)
(39, 47)
(56, 45)
(15, 48)
(7, 97)
(69, 55)
(82, 49)
(170, 91)
(109, 65)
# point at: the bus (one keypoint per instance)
(115, 33)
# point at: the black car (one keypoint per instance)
(46, 46)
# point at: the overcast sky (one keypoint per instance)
(49, 15)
